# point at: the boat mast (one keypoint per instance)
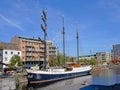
(77, 37)
(44, 28)
(63, 32)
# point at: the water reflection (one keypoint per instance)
(107, 77)
(21, 86)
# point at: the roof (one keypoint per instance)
(39, 39)
(8, 46)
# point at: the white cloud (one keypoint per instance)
(11, 23)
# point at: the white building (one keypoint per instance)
(52, 49)
(105, 56)
(8, 50)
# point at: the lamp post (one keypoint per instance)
(44, 28)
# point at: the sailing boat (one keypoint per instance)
(55, 74)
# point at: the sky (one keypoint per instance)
(97, 22)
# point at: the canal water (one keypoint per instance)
(104, 78)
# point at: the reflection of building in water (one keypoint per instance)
(23, 86)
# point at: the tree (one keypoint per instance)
(1, 47)
(15, 62)
(52, 61)
(92, 61)
(59, 60)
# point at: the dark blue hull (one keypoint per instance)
(43, 78)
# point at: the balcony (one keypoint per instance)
(41, 46)
(29, 54)
(30, 59)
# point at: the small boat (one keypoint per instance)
(54, 74)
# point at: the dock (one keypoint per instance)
(7, 83)
(10, 82)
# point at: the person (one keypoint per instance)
(85, 82)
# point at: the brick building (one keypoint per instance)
(33, 49)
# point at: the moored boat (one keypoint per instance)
(54, 74)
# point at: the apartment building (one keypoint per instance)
(33, 49)
(52, 49)
(7, 50)
(116, 52)
(105, 56)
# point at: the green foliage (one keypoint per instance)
(59, 60)
(1, 47)
(56, 60)
(15, 60)
(52, 61)
(92, 61)
(69, 59)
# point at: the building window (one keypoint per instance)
(11, 52)
(0, 59)
(5, 58)
(0, 53)
(5, 52)
(18, 53)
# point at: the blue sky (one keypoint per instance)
(98, 22)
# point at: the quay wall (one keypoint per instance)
(99, 68)
(7, 83)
